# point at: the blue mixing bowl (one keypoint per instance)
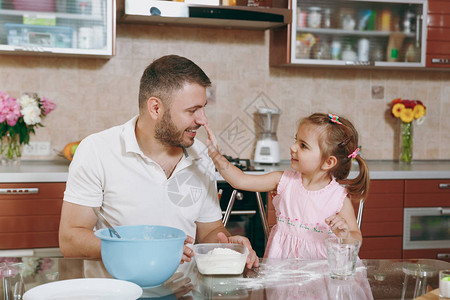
(146, 254)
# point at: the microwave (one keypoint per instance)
(426, 228)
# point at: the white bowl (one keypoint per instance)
(219, 259)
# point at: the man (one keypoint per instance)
(150, 170)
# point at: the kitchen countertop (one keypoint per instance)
(57, 170)
(382, 169)
(36, 171)
(388, 169)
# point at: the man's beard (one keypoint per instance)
(168, 134)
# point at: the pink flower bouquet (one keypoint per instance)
(18, 118)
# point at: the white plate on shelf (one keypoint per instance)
(85, 289)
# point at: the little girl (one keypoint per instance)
(313, 200)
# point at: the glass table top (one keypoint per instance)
(273, 279)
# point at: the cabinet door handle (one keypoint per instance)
(18, 191)
(442, 61)
(31, 48)
(443, 255)
(445, 211)
(418, 29)
(444, 186)
(360, 63)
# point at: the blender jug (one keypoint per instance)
(267, 147)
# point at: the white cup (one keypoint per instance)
(85, 38)
(314, 17)
(363, 49)
(336, 50)
(99, 39)
(444, 284)
(342, 255)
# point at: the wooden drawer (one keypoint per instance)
(29, 240)
(427, 253)
(20, 207)
(444, 60)
(438, 34)
(271, 217)
(438, 47)
(30, 220)
(381, 248)
(383, 229)
(427, 193)
(439, 20)
(438, 6)
(45, 190)
(383, 210)
(385, 187)
(17, 224)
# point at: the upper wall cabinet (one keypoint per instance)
(240, 14)
(58, 27)
(375, 33)
(438, 37)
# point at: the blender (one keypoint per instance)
(267, 149)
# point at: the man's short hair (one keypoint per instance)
(167, 75)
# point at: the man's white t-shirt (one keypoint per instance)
(110, 171)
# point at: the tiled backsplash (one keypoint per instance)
(94, 94)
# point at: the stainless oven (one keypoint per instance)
(427, 228)
(245, 218)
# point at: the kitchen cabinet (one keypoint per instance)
(431, 231)
(348, 33)
(441, 254)
(29, 214)
(382, 222)
(438, 37)
(427, 193)
(241, 14)
(62, 28)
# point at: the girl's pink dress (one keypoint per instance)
(301, 230)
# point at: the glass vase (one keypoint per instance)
(11, 150)
(406, 142)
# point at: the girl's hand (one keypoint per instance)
(187, 252)
(211, 143)
(338, 225)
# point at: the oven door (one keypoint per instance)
(245, 219)
(426, 228)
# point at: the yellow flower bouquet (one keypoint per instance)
(407, 111)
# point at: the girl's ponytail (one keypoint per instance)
(358, 187)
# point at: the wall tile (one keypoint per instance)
(95, 94)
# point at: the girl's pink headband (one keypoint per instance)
(354, 153)
(334, 119)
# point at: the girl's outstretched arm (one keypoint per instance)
(343, 224)
(234, 176)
